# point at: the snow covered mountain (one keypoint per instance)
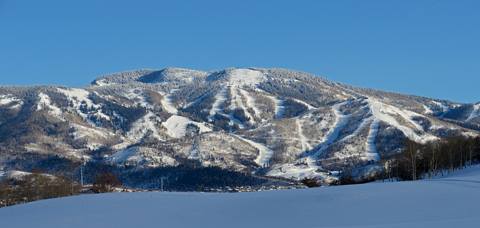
(271, 122)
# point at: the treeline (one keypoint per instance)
(187, 178)
(434, 158)
(419, 161)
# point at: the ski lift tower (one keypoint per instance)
(162, 180)
(82, 169)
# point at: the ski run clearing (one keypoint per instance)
(80, 98)
(237, 79)
(341, 121)
(264, 153)
(220, 98)
(9, 99)
(177, 125)
(389, 115)
(167, 103)
(475, 112)
(303, 139)
(44, 102)
(451, 201)
(143, 126)
(371, 146)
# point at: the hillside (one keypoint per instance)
(269, 122)
(450, 201)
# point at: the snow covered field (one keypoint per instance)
(451, 201)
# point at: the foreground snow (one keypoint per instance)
(445, 202)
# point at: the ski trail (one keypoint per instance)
(301, 136)
(357, 131)
(194, 152)
(264, 153)
(372, 153)
(251, 103)
(220, 98)
(238, 103)
(475, 112)
(340, 121)
(278, 104)
(279, 108)
(176, 126)
(198, 99)
(45, 102)
(168, 104)
(386, 113)
(141, 127)
(309, 107)
(289, 138)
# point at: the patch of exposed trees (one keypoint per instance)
(106, 182)
(34, 187)
(38, 186)
(434, 158)
(419, 161)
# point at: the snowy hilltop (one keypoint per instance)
(268, 122)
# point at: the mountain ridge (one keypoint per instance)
(270, 121)
(278, 68)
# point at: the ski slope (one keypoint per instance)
(264, 153)
(177, 125)
(451, 201)
(44, 102)
(475, 112)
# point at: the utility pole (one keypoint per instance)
(81, 171)
(81, 175)
(162, 183)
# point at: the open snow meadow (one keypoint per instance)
(450, 201)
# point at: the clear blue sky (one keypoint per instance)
(423, 47)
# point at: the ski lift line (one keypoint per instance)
(285, 138)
